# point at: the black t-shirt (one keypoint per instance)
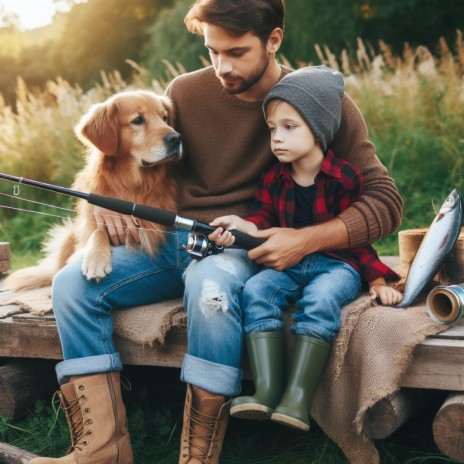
(304, 200)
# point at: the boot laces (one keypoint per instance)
(197, 422)
(72, 408)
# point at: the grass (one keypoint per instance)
(155, 409)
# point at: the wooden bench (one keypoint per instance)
(437, 363)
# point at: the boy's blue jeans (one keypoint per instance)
(83, 311)
(319, 286)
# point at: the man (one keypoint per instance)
(226, 141)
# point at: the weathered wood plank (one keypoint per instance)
(5, 251)
(172, 356)
(5, 265)
(436, 363)
(26, 340)
(33, 340)
(34, 318)
(454, 332)
(9, 310)
(12, 455)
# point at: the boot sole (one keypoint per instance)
(251, 411)
(290, 421)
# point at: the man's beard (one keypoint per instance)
(246, 84)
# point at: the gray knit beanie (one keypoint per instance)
(316, 92)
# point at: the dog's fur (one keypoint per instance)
(131, 152)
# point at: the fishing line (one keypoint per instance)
(43, 213)
(198, 245)
(15, 197)
(34, 212)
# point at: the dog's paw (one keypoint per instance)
(95, 268)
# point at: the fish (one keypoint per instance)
(439, 240)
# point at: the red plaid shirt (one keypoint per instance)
(338, 184)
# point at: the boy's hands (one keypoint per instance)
(222, 236)
(385, 295)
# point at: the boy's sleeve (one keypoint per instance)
(371, 267)
(263, 213)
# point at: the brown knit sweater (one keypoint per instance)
(227, 147)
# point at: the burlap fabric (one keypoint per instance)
(145, 325)
(370, 354)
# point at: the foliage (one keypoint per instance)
(413, 104)
(170, 41)
(155, 406)
(414, 107)
(103, 34)
(339, 23)
(93, 36)
(90, 36)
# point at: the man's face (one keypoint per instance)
(239, 62)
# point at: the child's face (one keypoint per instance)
(291, 138)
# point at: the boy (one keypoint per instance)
(308, 186)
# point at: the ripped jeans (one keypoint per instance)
(83, 311)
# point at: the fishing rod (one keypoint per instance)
(198, 245)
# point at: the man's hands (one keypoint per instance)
(286, 247)
(117, 225)
(283, 247)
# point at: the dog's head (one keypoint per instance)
(132, 123)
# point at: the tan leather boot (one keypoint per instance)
(205, 424)
(97, 421)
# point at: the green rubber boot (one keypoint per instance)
(309, 360)
(266, 354)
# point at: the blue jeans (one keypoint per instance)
(318, 285)
(83, 311)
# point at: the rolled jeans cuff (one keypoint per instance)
(87, 366)
(214, 378)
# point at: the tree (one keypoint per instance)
(103, 34)
(169, 40)
(339, 23)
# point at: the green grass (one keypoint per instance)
(155, 411)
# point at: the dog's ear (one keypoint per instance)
(99, 128)
(168, 106)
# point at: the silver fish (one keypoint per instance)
(439, 240)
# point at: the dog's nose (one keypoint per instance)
(172, 138)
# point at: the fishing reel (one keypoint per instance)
(199, 247)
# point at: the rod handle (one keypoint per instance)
(242, 240)
(245, 241)
(149, 213)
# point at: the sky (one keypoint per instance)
(32, 13)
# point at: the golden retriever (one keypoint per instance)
(131, 149)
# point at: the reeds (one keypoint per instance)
(413, 105)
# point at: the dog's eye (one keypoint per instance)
(138, 121)
(165, 118)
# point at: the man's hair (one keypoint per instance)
(237, 17)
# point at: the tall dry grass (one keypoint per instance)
(413, 105)
(414, 108)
